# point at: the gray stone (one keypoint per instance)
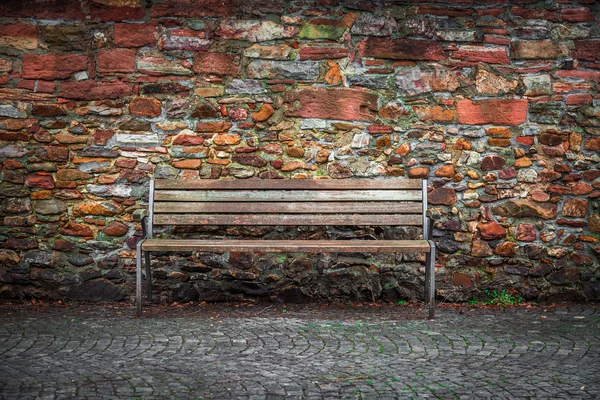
(50, 207)
(16, 205)
(546, 113)
(242, 173)
(245, 86)
(116, 190)
(411, 81)
(458, 35)
(39, 258)
(96, 290)
(12, 151)
(368, 80)
(165, 172)
(184, 293)
(180, 152)
(81, 260)
(10, 111)
(371, 25)
(93, 166)
(537, 84)
(103, 152)
(300, 70)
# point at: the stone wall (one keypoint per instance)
(496, 103)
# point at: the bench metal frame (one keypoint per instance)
(281, 188)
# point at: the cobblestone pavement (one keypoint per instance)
(369, 354)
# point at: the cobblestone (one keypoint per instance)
(520, 353)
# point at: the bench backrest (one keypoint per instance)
(356, 202)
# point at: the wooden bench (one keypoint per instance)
(294, 202)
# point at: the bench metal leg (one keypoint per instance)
(148, 275)
(138, 278)
(430, 280)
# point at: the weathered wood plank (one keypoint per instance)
(289, 219)
(289, 184)
(280, 195)
(289, 208)
(289, 246)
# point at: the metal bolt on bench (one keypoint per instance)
(293, 202)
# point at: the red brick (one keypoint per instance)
(188, 140)
(19, 36)
(493, 111)
(586, 75)
(497, 40)
(91, 90)
(579, 99)
(42, 87)
(401, 49)
(116, 228)
(47, 9)
(491, 230)
(563, 87)
(446, 11)
(74, 229)
(47, 110)
(102, 136)
(14, 136)
(592, 144)
(102, 12)
(529, 13)
(145, 107)
(332, 103)
(215, 63)
(322, 53)
(187, 8)
(135, 35)
(492, 55)
(527, 140)
(52, 66)
(111, 61)
(462, 280)
(442, 196)
(39, 181)
(587, 49)
(379, 129)
(577, 14)
(213, 127)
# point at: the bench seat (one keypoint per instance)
(281, 246)
(357, 202)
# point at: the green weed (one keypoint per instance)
(495, 298)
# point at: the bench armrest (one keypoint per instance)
(140, 214)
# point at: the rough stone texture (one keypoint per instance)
(495, 103)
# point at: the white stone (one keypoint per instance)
(528, 175)
(313, 123)
(81, 76)
(360, 140)
(149, 139)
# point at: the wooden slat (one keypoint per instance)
(295, 195)
(288, 219)
(289, 184)
(289, 208)
(289, 246)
